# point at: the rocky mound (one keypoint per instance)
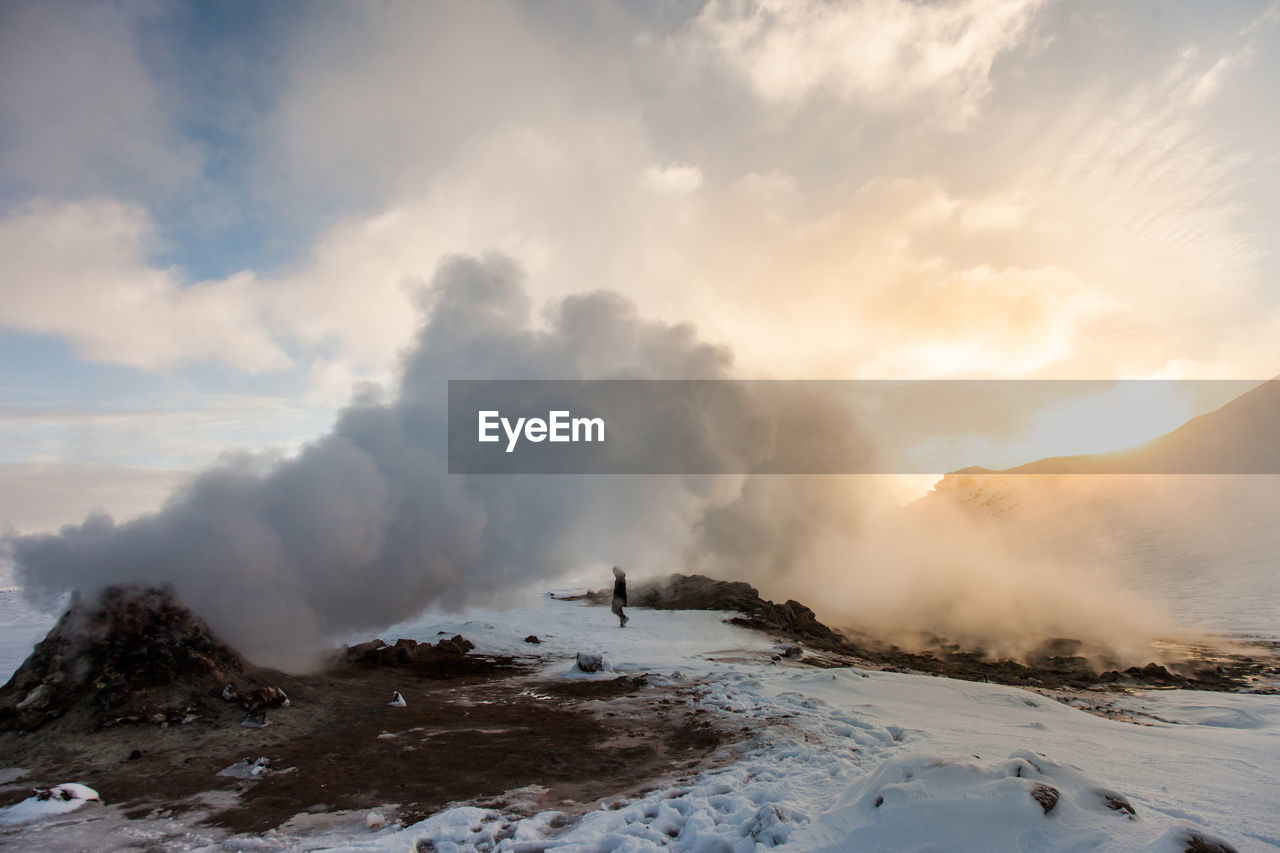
(699, 592)
(129, 654)
(1057, 663)
(403, 652)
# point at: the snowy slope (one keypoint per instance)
(954, 765)
(954, 762)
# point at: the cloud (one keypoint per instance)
(416, 84)
(177, 428)
(37, 496)
(985, 321)
(754, 226)
(80, 270)
(887, 55)
(80, 113)
(1199, 87)
(676, 177)
(582, 207)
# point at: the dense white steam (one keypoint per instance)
(365, 527)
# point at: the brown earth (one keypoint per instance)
(473, 729)
(127, 694)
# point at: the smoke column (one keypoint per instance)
(365, 527)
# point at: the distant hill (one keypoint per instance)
(1205, 548)
(1242, 437)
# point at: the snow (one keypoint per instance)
(953, 765)
(58, 800)
(247, 768)
(654, 641)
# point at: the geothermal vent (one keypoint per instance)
(128, 654)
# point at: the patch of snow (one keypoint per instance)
(11, 774)
(247, 768)
(58, 800)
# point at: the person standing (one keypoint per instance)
(620, 596)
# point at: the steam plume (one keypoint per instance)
(365, 527)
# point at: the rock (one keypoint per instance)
(1153, 672)
(1117, 803)
(404, 653)
(533, 638)
(265, 697)
(593, 663)
(397, 701)
(1045, 795)
(457, 644)
(38, 699)
(377, 653)
(789, 650)
(1194, 841)
(364, 652)
(135, 755)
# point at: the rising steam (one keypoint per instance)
(365, 527)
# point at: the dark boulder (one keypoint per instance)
(404, 652)
(1194, 841)
(1153, 673)
(1045, 795)
(456, 644)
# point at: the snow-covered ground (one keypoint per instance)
(834, 760)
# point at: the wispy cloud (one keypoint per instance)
(886, 55)
(80, 270)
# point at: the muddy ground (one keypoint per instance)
(473, 729)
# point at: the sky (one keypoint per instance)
(216, 218)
